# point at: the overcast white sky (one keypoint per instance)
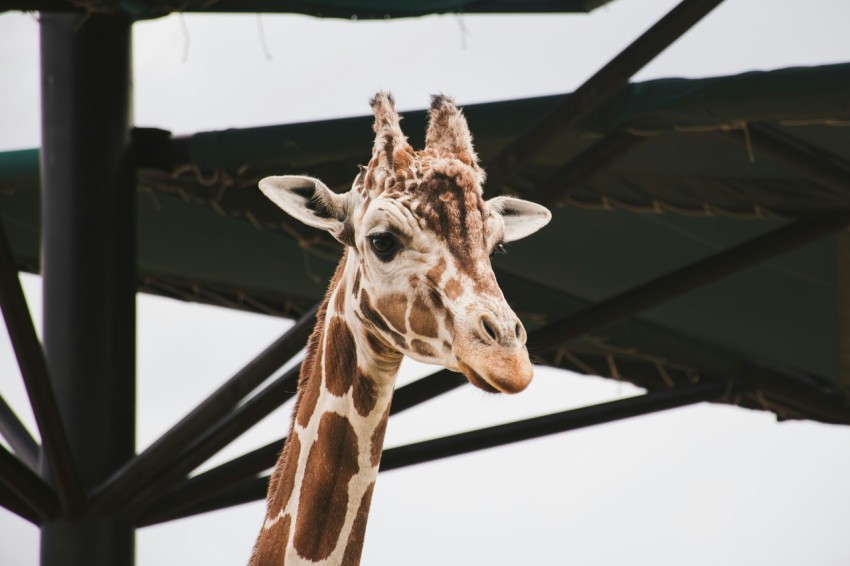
(704, 485)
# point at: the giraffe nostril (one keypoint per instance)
(518, 331)
(488, 328)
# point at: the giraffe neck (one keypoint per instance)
(321, 488)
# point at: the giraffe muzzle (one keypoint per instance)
(493, 356)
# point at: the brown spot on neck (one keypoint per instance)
(324, 494)
(339, 302)
(365, 394)
(310, 378)
(340, 358)
(309, 384)
(283, 478)
(354, 546)
(380, 348)
(378, 437)
(271, 546)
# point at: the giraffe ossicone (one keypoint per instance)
(415, 279)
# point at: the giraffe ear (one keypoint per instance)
(521, 218)
(310, 201)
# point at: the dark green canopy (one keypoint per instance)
(354, 9)
(667, 174)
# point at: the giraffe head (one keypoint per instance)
(420, 236)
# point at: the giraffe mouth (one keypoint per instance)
(478, 381)
(498, 372)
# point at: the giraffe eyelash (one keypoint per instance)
(499, 249)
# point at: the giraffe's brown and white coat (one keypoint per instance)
(415, 280)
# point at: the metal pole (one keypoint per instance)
(89, 266)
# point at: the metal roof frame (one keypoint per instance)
(125, 491)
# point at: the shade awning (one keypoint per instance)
(349, 9)
(710, 164)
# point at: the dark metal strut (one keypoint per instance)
(817, 164)
(393, 458)
(127, 481)
(612, 146)
(17, 435)
(14, 503)
(31, 362)
(27, 486)
(223, 433)
(597, 90)
(689, 278)
(198, 488)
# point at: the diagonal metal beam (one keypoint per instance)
(33, 368)
(801, 394)
(573, 419)
(198, 488)
(597, 90)
(246, 491)
(425, 389)
(193, 490)
(18, 506)
(691, 277)
(612, 146)
(255, 488)
(223, 433)
(17, 435)
(129, 479)
(27, 485)
(816, 163)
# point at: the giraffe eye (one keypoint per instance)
(500, 249)
(384, 244)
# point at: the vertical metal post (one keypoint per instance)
(89, 266)
(843, 304)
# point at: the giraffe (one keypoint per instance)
(415, 279)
